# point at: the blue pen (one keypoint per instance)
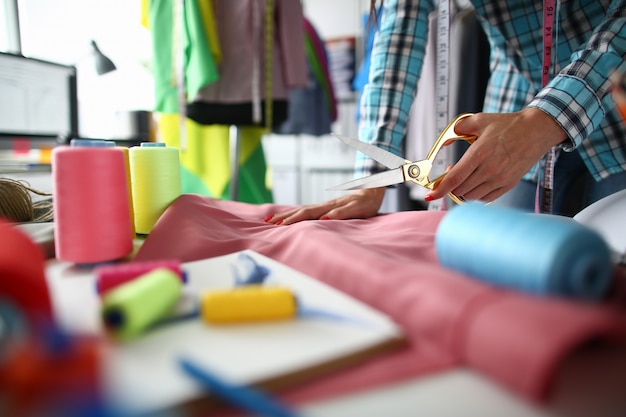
(245, 397)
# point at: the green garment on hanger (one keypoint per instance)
(172, 30)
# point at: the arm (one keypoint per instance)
(396, 64)
(397, 59)
(565, 112)
(578, 97)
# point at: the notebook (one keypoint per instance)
(143, 375)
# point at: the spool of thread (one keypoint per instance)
(155, 182)
(250, 303)
(124, 149)
(55, 372)
(22, 278)
(131, 308)
(111, 276)
(95, 143)
(535, 253)
(91, 204)
(126, 152)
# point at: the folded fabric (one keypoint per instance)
(390, 263)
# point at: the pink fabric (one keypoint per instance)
(389, 262)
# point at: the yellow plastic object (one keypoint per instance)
(250, 303)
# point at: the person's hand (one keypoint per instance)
(507, 147)
(360, 204)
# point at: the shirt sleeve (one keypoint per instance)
(396, 64)
(578, 97)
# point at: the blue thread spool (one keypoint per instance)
(535, 253)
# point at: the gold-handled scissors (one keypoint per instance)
(402, 170)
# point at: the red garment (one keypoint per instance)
(389, 262)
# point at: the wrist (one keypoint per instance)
(547, 129)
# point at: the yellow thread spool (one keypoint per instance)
(248, 304)
(155, 181)
(130, 189)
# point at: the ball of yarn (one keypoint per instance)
(17, 205)
(534, 253)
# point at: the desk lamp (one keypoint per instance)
(102, 63)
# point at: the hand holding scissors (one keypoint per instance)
(402, 170)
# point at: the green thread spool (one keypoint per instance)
(131, 308)
(155, 182)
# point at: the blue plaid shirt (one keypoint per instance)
(589, 44)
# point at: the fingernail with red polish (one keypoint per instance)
(278, 222)
(324, 218)
(268, 218)
(428, 197)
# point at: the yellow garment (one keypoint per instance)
(145, 7)
(206, 160)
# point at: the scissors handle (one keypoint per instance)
(447, 135)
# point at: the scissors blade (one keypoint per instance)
(386, 158)
(382, 179)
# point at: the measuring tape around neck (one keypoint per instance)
(546, 206)
(442, 92)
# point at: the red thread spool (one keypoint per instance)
(38, 379)
(22, 278)
(91, 204)
(110, 276)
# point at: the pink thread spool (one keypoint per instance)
(91, 204)
(111, 276)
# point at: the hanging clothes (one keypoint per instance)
(313, 108)
(238, 97)
(361, 77)
(180, 44)
(217, 40)
(205, 163)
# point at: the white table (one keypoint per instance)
(592, 383)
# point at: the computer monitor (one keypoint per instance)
(38, 99)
